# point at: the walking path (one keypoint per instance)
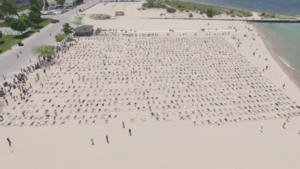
(10, 64)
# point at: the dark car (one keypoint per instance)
(21, 44)
(55, 21)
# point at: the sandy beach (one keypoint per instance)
(154, 93)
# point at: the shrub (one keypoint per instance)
(190, 15)
(263, 14)
(145, 5)
(151, 4)
(273, 16)
(171, 10)
(210, 12)
(231, 11)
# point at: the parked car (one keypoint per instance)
(55, 21)
(21, 44)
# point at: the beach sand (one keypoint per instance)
(252, 136)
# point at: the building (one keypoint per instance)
(22, 3)
(84, 30)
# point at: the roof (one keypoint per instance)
(84, 28)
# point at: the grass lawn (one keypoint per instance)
(7, 41)
(18, 10)
(60, 37)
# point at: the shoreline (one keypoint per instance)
(291, 73)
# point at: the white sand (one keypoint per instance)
(172, 143)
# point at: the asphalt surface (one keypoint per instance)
(10, 64)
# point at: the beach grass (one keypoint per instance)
(192, 6)
(18, 10)
(156, 5)
(275, 16)
(8, 41)
(197, 7)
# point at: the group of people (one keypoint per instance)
(115, 76)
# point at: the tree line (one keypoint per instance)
(23, 22)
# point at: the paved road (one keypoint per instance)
(10, 64)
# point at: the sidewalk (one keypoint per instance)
(10, 64)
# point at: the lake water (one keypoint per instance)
(285, 38)
(286, 7)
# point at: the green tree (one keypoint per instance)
(1, 16)
(0, 34)
(34, 9)
(42, 50)
(61, 2)
(78, 21)
(67, 28)
(46, 3)
(60, 37)
(35, 15)
(38, 3)
(18, 25)
(26, 20)
(151, 4)
(9, 6)
(8, 20)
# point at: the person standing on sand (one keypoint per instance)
(107, 138)
(267, 67)
(283, 126)
(3, 77)
(9, 142)
(129, 132)
(283, 86)
(123, 124)
(6, 102)
(92, 140)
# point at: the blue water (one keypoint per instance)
(286, 7)
(284, 38)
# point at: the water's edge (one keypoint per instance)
(289, 71)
